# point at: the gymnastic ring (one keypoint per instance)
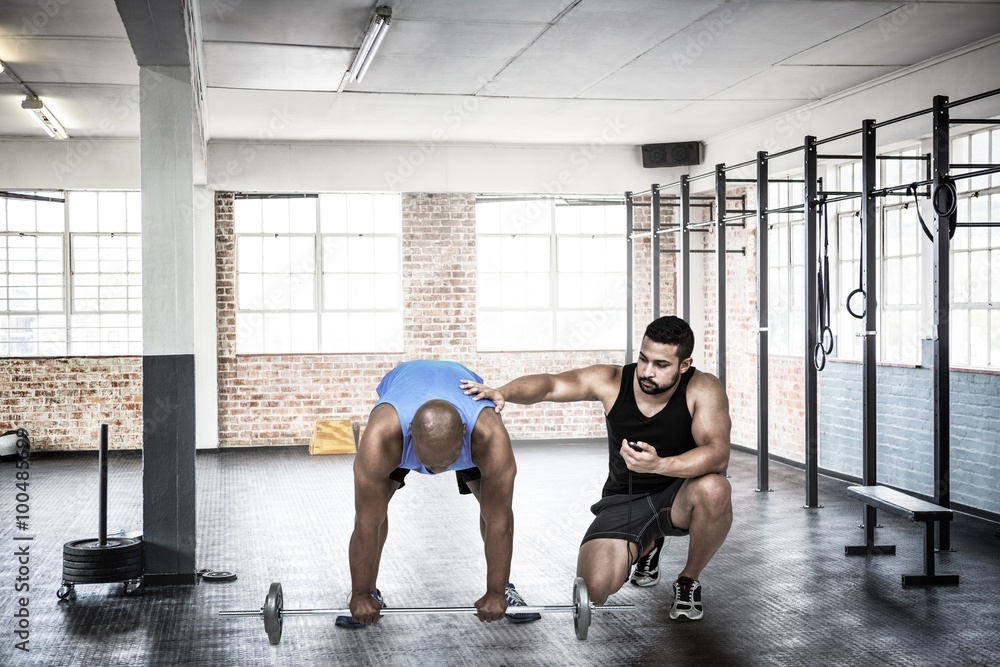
(825, 335)
(864, 309)
(819, 357)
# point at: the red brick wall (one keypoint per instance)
(275, 399)
(786, 402)
(62, 402)
(642, 291)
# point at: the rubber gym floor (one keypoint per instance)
(779, 592)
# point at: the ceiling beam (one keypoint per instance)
(167, 34)
(156, 31)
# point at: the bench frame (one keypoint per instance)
(912, 509)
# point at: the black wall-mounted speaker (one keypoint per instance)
(683, 154)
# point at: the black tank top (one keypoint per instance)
(669, 431)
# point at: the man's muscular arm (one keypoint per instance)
(378, 455)
(492, 454)
(593, 383)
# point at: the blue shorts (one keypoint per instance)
(650, 517)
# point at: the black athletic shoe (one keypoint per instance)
(514, 600)
(647, 569)
(687, 600)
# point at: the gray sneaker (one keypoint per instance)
(647, 569)
(687, 600)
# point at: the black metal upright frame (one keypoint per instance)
(869, 223)
(720, 271)
(763, 456)
(811, 237)
(629, 276)
(685, 247)
(940, 161)
(938, 177)
(654, 248)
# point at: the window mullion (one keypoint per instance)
(67, 276)
(553, 277)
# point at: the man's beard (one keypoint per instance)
(652, 389)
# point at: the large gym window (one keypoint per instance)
(70, 274)
(552, 274)
(899, 265)
(785, 269)
(975, 265)
(318, 273)
(845, 238)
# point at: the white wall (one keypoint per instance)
(593, 169)
(206, 359)
(74, 164)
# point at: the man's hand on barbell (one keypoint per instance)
(491, 607)
(365, 609)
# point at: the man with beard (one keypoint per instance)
(668, 436)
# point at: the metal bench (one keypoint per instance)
(911, 509)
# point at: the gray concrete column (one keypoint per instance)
(167, 135)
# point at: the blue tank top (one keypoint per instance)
(411, 384)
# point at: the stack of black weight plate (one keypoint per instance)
(101, 560)
(90, 562)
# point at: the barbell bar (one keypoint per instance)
(273, 612)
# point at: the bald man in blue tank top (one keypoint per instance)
(424, 422)
(668, 438)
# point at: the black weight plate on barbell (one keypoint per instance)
(274, 604)
(92, 546)
(220, 576)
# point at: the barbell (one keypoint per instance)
(273, 612)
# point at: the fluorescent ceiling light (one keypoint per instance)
(2, 67)
(37, 110)
(369, 46)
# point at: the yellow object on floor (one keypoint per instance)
(332, 436)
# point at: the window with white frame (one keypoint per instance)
(900, 275)
(847, 268)
(975, 260)
(318, 273)
(552, 274)
(70, 274)
(898, 264)
(105, 272)
(785, 269)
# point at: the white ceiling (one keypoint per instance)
(481, 71)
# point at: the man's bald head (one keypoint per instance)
(437, 430)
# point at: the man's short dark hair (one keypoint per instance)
(672, 330)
